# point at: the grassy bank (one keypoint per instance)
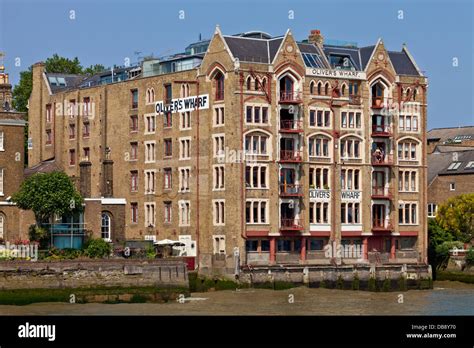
(85, 295)
(455, 276)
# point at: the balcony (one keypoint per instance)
(291, 190)
(381, 131)
(291, 126)
(291, 97)
(381, 226)
(380, 192)
(291, 224)
(377, 103)
(291, 156)
(379, 159)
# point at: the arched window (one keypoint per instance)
(408, 150)
(257, 143)
(219, 85)
(106, 226)
(318, 146)
(320, 85)
(184, 90)
(326, 88)
(264, 84)
(2, 226)
(351, 147)
(286, 87)
(407, 93)
(150, 95)
(311, 87)
(343, 90)
(415, 91)
(249, 83)
(256, 84)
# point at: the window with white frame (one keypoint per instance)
(320, 118)
(351, 148)
(257, 144)
(1, 181)
(150, 151)
(350, 179)
(150, 214)
(219, 116)
(134, 212)
(452, 186)
(351, 119)
(134, 180)
(184, 90)
(184, 175)
(408, 213)
(350, 213)
(2, 141)
(432, 210)
(256, 176)
(150, 179)
(218, 177)
(185, 120)
(184, 148)
(150, 96)
(150, 123)
(256, 211)
(319, 178)
(407, 150)
(256, 114)
(454, 165)
(48, 113)
(319, 213)
(218, 145)
(408, 123)
(218, 212)
(218, 243)
(167, 178)
(184, 213)
(407, 180)
(318, 146)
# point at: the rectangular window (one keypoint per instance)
(350, 213)
(150, 154)
(256, 176)
(86, 152)
(256, 114)
(168, 147)
(432, 210)
(184, 213)
(167, 119)
(134, 180)
(184, 148)
(184, 175)
(72, 108)
(134, 212)
(72, 131)
(133, 123)
(256, 211)
(318, 212)
(167, 176)
(49, 116)
(134, 98)
(452, 186)
(150, 179)
(167, 212)
(86, 131)
(133, 151)
(168, 93)
(72, 157)
(408, 181)
(218, 243)
(150, 123)
(1, 181)
(219, 177)
(408, 213)
(49, 138)
(312, 118)
(86, 106)
(150, 215)
(218, 145)
(185, 120)
(218, 212)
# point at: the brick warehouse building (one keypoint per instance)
(290, 146)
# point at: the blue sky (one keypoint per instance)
(107, 32)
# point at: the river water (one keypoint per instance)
(447, 298)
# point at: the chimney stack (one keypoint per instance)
(315, 37)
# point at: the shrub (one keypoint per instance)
(372, 284)
(442, 252)
(340, 283)
(355, 282)
(470, 257)
(386, 286)
(97, 248)
(402, 283)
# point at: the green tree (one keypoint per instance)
(457, 216)
(94, 69)
(21, 92)
(47, 194)
(57, 64)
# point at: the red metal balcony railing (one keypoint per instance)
(290, 156)
(290, 97)
(292, 190)
(291, 224)
(379, 225)
(291, 126)
(380, 192)
(381, 130)
(379, 159)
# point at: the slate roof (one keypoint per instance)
(447, 134)
(351, 52)
(46, 166)
(464, 157)
(402, 63)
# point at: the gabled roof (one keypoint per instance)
(464, 158)
(365, 54)
(450, 134)
(402, 63)
(46, 166)
(248, 49)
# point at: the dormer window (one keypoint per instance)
(341, 62)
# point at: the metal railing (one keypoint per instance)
(379, 159)
(290, 156)
(290, 97)
(291, 190)
(291, 125)
(291, 224)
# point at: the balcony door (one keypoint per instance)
(286, 86)
(378, 182)
(378, 215)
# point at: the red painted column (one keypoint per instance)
(303, 249)
(365, 247)
(272, 249)
(392, 248)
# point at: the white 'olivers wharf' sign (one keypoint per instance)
(346, 195)
(183, 104)
(336, 73)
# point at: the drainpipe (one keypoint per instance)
(242, 180)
